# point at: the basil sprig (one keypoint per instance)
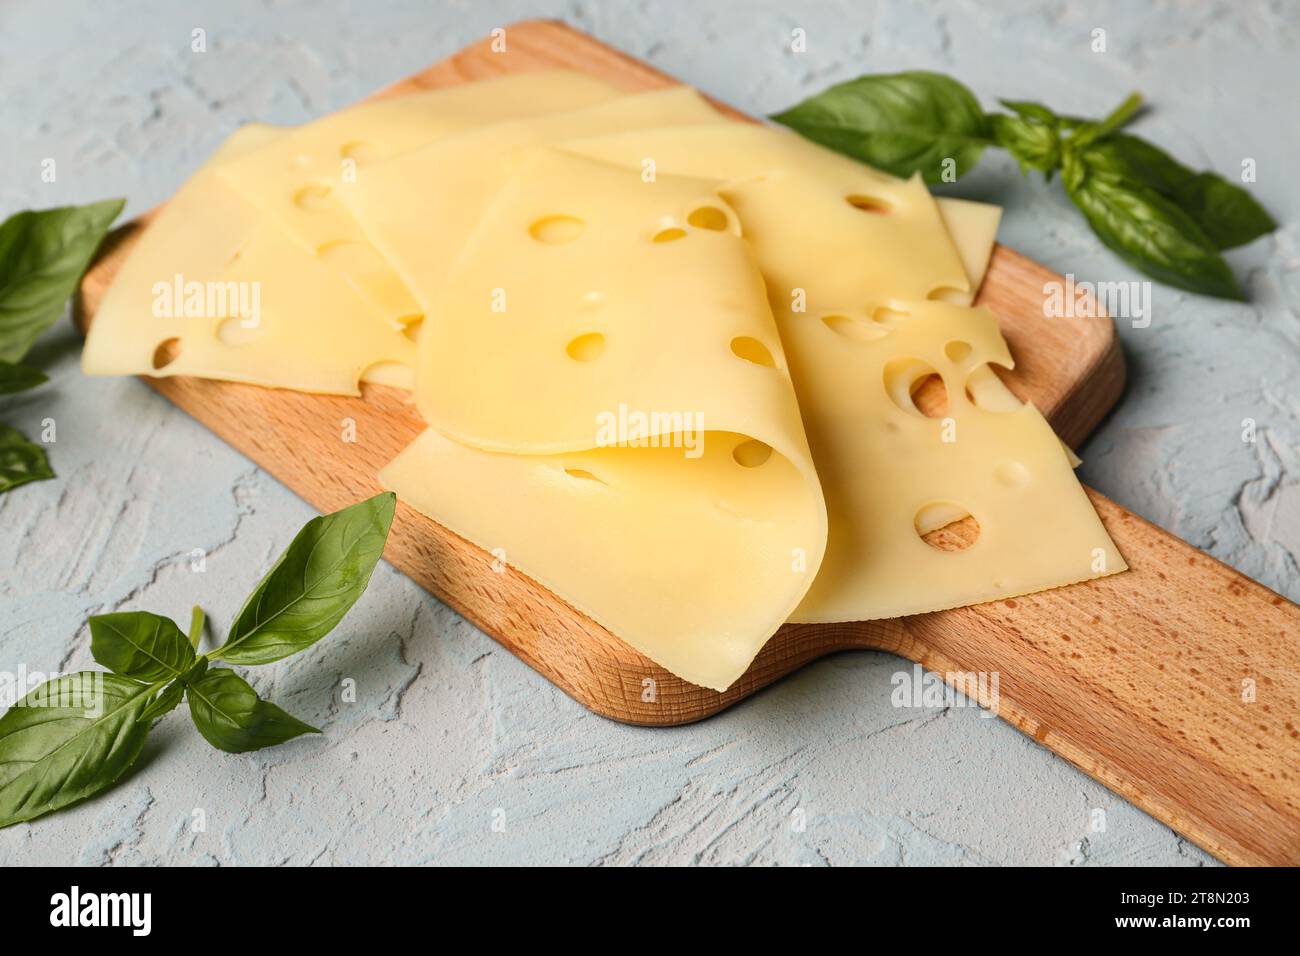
(42, 256)
(74, 736)
(1166, 220)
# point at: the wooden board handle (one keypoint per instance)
(1174, 684)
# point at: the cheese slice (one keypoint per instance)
(827, 207)
(213, 290)
(296, 179)
(973, 227)
(421, 231)
(609, 405)
(850, 255)
(885, 466)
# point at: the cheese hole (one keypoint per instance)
(752, 350)
(312, 198)
(867, 203)
(946, 526)
(947, 293)
(582, 474)
(1012, 474)
(556, 230)
(986, 392)
(233, 331)
(855, 327)
(669, 235)
(168, 351)
(957, 352)
(915, 387)
(359, 150)
(586, 348)
(709, 217)
(889, 317)
(752, 453)
(412, 330)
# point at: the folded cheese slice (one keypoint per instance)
(610, 407)
(211, 289)
(420, 230)
(851, 257)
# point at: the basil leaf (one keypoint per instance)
(1032, 111)
(21, 460)
(19, 378)
(317, 579)
(903, 123)
(1227, 213)
(1153, 235)
(140, 645)
(230, 715)
(164, 703)
(42, 255)
(67, 740)
(1034, 144)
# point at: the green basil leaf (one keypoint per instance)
(230, 715)
(143, 646)
(1032, 111)
(1229, 215)
(317, 579)
(19, 378)
(1035, 145)
(42, 255)
(1226, 212)
(67, 740)
(1153, 235)
(903, 123)
(164, 703)
(21, 460)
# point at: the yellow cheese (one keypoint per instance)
(884, 465)
(583, 302)
(973, 227)
(420, 230)
(296, 179)
(827, 208)
(849, 254)
(212, 290)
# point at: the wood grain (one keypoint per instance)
(1143, 680)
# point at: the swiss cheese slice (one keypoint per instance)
(297, 178)
(973, 227)
(861, 227)
(887, 468)
(851, 257)
(420, 231)
(610, 407)
(211, 289)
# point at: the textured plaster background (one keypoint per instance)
(449, 732)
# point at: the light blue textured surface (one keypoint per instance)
(449, 732)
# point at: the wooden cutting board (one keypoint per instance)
(1176, 684)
